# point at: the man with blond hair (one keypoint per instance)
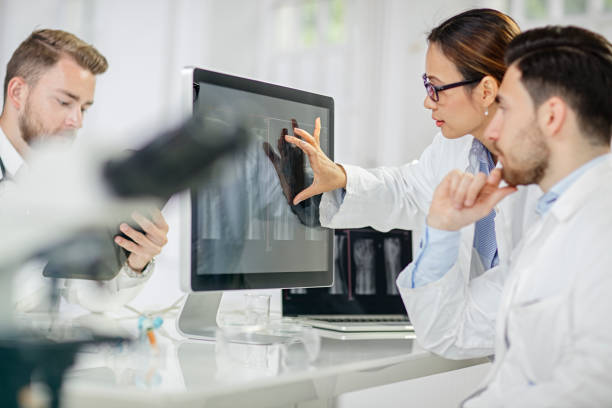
(49, 86)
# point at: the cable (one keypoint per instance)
(159, 312)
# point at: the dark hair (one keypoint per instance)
(43, 48)
(574, 64)
(475, 41)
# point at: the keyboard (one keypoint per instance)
(359, 323)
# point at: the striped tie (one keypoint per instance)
(484, 234)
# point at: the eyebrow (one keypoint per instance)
(73, 96)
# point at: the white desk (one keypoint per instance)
(198, 374)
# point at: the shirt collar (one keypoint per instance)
(11, 159)
(551, 196)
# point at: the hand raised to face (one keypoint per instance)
(463, 198)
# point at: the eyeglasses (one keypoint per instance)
(433, 90)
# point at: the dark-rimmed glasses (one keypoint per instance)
(433, 90)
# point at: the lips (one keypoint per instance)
(439, 122)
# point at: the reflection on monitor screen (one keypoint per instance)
(244, 232)
(243, 221)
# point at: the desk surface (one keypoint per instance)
(197, 373)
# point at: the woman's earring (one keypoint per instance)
(487, 112)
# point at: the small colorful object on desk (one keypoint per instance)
(146, 327)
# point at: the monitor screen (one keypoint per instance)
(245, 231)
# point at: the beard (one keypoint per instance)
(33, 131)
(528, 164)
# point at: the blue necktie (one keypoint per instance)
(484, 233)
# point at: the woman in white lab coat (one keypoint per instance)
(464, 67)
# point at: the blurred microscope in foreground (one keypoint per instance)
(60, 209)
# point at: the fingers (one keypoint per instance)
(444, 186)
(153, 232)
(138, 242)
(461, 190)
(466, 187)
(464, 198)
(317, 131)
(126, 244)
(159, 220)
(146, 224)
(306, 194)
(478, 182)
(306, 148)
(498, 195)
(305, 135)
(495, 177)
(454, 179)
(151, 240)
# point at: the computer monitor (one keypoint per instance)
(240, 230)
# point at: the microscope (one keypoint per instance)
(58, 210)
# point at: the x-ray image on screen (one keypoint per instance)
(366, 265)
(365, 272)
(393, 263)
(247, 213)
(339, 287)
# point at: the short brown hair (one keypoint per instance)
(44, 48)
(574, 64)
(475, 41)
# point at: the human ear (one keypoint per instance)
(17, 92)
(551, 115)
(488, 89)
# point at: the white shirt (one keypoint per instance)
(31, 289)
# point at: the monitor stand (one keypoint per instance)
(198, 320)
(198, 317)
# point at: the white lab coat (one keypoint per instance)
(31, 289)
(399, 197)
(554, 332)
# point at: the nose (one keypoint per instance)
(75, 118)
(492, 132)
(428, 103)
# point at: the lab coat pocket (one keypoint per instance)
(537, 333)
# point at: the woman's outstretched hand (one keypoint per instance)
(328, 176)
